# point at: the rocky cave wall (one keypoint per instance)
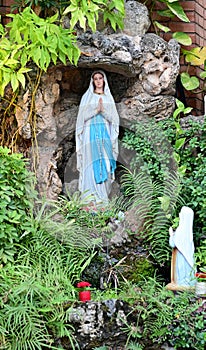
(141, 69)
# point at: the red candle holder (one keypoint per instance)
(85, 294)
(200, 275)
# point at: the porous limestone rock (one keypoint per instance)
(96, 323)
(137, 20)
(141, 69)
(107, 324)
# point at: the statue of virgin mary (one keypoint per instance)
(181, 240)
(97, 130)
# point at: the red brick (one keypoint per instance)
(191, 101)
(157, 17)
(198, 41)
(191, 16)
(8, 2)
(200, 104)
(201, 2)
(192, 69)
(182, 27)
(199, 31)
(192, 36)
(202, 42)
(199, 9)
(200, 21)
(187, 5)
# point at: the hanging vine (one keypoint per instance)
(29, 41)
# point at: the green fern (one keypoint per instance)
(155, 203)
(42, 280)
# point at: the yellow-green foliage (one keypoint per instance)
(15, 203)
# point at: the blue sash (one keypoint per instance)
(100, 145)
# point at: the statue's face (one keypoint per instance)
(98, 80)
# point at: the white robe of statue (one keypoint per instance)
(181, 240)
(90, 189)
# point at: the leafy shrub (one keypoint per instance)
(187, 329)
(154, 153)
(16, 202)
(154, 157)
(161, 316)
(192, 159)
(33, 291)
(89, 217)
(37, 290)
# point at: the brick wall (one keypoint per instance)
(4, 9)
(196, 29)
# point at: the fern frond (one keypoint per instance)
(155, 203)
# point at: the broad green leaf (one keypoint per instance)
(178, 11)
(54, 57)
(179, 104)
(84, 5)
(182, 38)
(166, 13)
(2, 30)
(108, 16)
(177, 112)
(93, 8)
(176, 157)
(44, 59)
(178, 127)
(179, 143)
(6, 77)
(24, 70)
(196, 56)
(119, 5)
(53, 18)
(182, 169)
(35, 54)
(51, 49)
(2, 88)
(186, 52)
(91, 21)
(21, 79)
(24, 58)
(161, 27)
(10, 62)
(189, 83)
(76, 54)
(74, 19)
(187, 110)
(101, 2)
(82, 19)
(62, 47)
(71, 8)
(41, 38)
(14, 82)
(203, 75)
(18, 37)
(62, 57)
(47, 58)
(53, 41)
(73, 54)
